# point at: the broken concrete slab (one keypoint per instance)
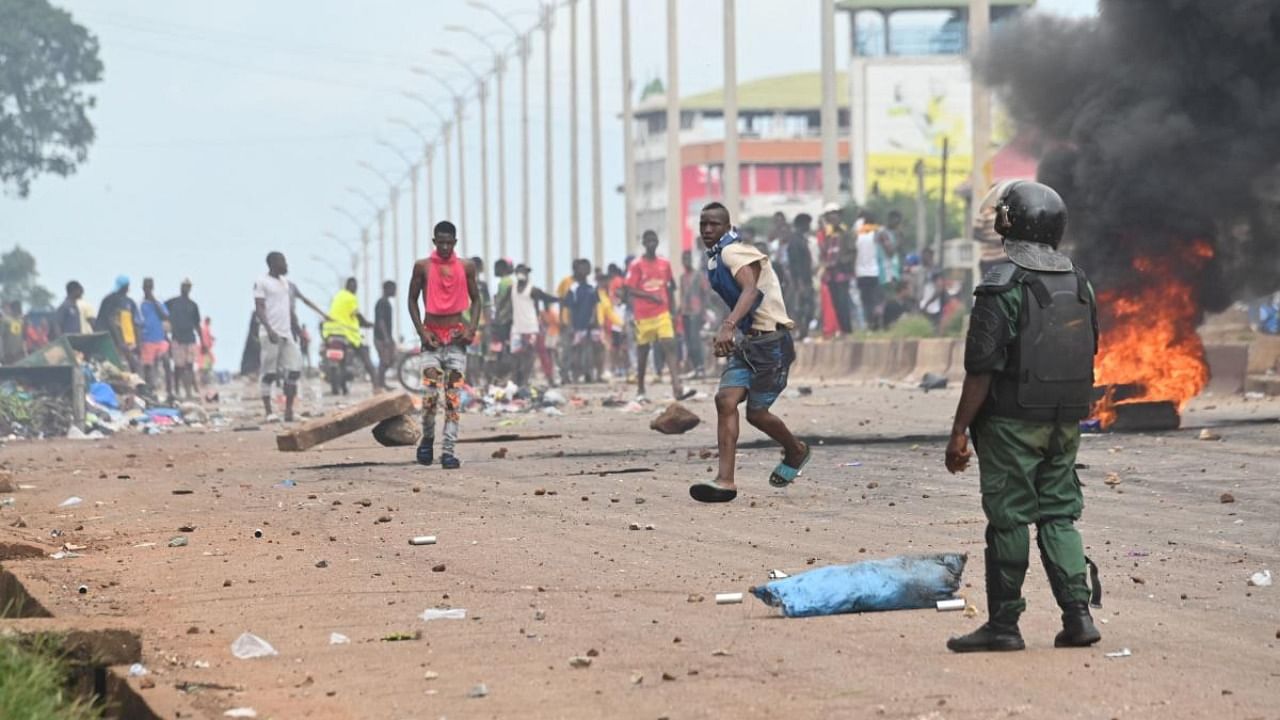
(347, 421)
(675, 420)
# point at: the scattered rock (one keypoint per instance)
(478, 691)
(1207, 434)
(634, 526)
(873, 485)
(696, 598)
(6, 481)
(593, 653)
(638, 677)
(1226, 498)
(675, 420)
(430, 675)
(540, 492)
(398, 431)
(384, 518)
(500, 454)
(579, 661)
(668, 677)
(720, 653)
(179, 541)
(1137, 580)
(639, 501)
(365, 502)
(322, 564)
(1112, 479)
(438, 568)
(539, 615)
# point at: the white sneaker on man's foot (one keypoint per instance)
(273, 418)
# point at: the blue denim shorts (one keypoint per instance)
(761, 365)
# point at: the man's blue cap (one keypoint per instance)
(121, 282)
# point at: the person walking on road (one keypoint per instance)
(384, 336)
(155, 338)
(184, 324)
(650, 290)
(280, 357)
(447, 287)
(1028, 382)
(758, 362)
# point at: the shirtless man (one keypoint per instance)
(448, 288)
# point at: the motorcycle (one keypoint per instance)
(338, 364)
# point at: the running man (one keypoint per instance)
(448, 287)
(650, 289)
(758, 363)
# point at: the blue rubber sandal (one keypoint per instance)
(783, 475)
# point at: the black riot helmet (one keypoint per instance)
(1028, 211)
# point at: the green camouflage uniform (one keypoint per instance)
(1027, 475)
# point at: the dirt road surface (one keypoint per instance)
(537, 548)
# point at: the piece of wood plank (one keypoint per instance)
(374, 410)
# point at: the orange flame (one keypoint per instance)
(1149, 334)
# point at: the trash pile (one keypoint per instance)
(30, 412)
(510, 399)
(117, 400)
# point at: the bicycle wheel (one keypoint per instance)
(409, 371)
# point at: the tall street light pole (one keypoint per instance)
(393, 189)
(381, 217)
(597, 198)
(830, 160)
(499, 69)
(731, 177)
(364, 245)
(628, 149)
(428, 152)
(675, 213)
(523, 48)
(445, 127)
(459, 107)
(575, 235)
(548, 23)
(482, 89)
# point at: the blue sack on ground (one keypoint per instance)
(897, 583)
(104, 395)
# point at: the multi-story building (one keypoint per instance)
(909, 82)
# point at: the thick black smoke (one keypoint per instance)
(1160, 121)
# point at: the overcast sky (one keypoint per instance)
(228, 129)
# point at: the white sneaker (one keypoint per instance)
(273, 418)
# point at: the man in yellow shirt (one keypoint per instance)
(346, 321)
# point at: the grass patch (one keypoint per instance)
(34, 685)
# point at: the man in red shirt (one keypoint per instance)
(650, 289)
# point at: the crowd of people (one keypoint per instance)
(167, 342)
(639, 320)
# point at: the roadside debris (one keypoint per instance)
(1260, 579)
(444, 614)
(339, 639)
(179, 541)
(1121, 653)
(71, 502)
(579, 661)
(907, 582)
(951, 605)
(675, 420)
(249, 646)
(1112, 479)
(398, 431)
(241, 712)
(478, 691)
(137, 670)
(423, 540)
(1226, 498)
(733, 598)
(1207, 434)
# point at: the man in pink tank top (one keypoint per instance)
(448, 289)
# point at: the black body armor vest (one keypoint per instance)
(1049, 374)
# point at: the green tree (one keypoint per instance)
(46, 60)
(18, 280)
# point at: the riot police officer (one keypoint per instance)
(1028, 382)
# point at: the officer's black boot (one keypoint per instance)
(1000, 633)
(988, 638)
(1078, 629)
